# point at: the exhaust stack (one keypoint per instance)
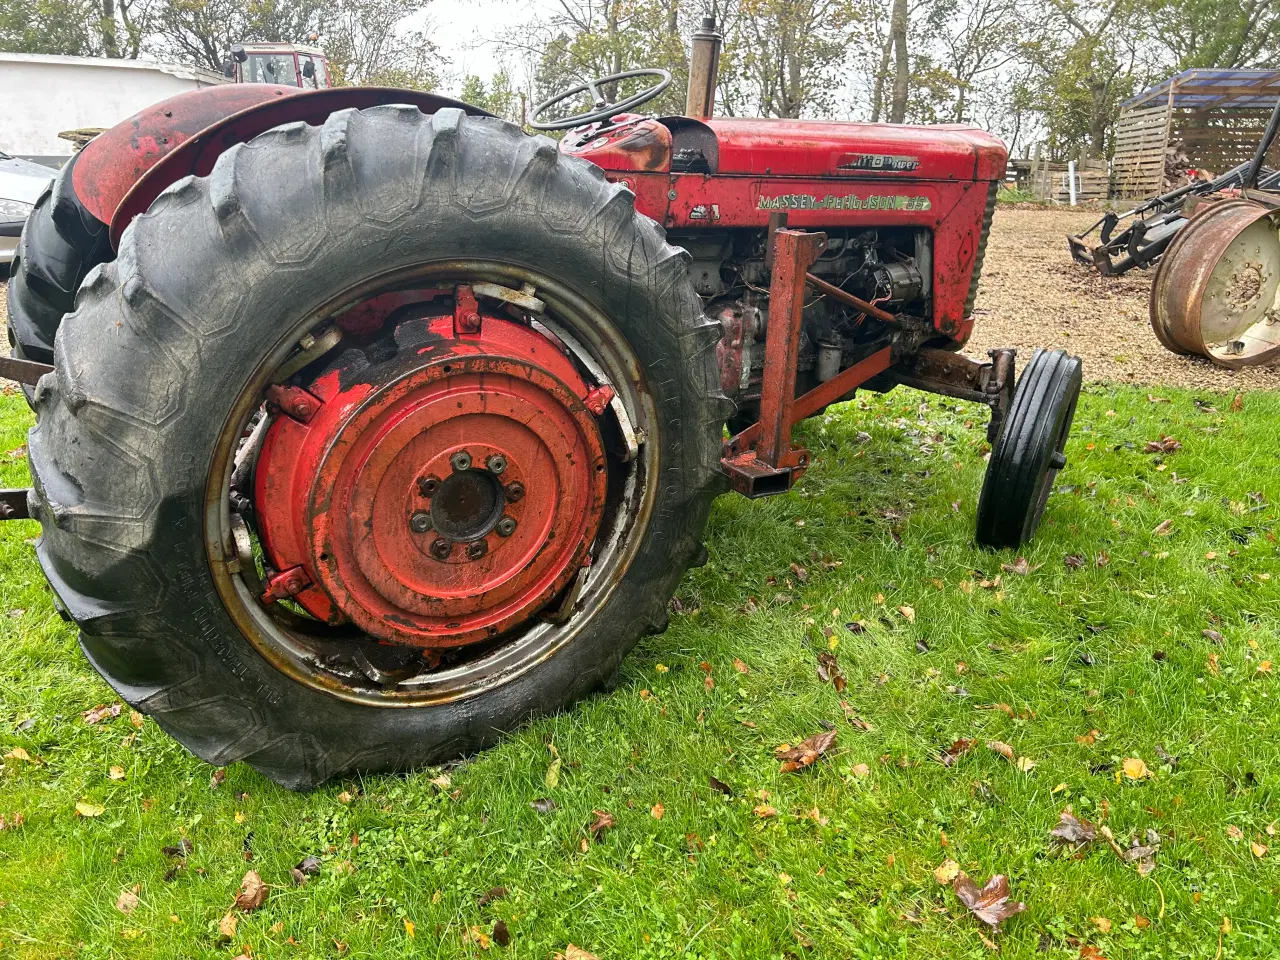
(704, 69)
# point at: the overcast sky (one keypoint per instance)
(468, 33)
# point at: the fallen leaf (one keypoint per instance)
(991, 904)
(1212, 664)
(1003, 749)
(542, 805)
(1073, 561)
(1020, 566)
(860, 770)
(178, 851)
(227, 925)
(1135, 769)
(1140, 921)
(1102, 923)
(952, 753)
(85, 809)
(309, 866)
(552, 779)
(409, 928)
(135, 718)
(829, 671)
(804, 755)
(601, 825)
(720, 785)
(661, 668)
(1073, 829)
(98, 714)
(1259, 849)
(492, 895)
(576, 953)
(908, 612)
(1025, 764)
(1163, 528)
(740, 666)
(764, 810)
(656, 811)
(501, 935)
(478, 937)
(1235, 833)
(220, 775)
(947, 871)
(127, 902)
(1163, 445)
(18, 753)
(253, 892)
(115, 773)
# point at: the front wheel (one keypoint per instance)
(406, 429)
(1030, 450)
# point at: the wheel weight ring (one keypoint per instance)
(447, 504)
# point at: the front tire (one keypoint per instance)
(214, 287)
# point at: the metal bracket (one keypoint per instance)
(955, 375)
(760, 460)
(13, 504)
(23, 371)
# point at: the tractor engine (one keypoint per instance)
(730, 270)
(905, 212)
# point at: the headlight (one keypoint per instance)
(14, 210)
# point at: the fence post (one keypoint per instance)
(1071, 180)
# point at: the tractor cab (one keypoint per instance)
(286, 64)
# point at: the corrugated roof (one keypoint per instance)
(1202, 87)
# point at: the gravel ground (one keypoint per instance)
(1033, 294)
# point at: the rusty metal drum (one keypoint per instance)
(1215, 291)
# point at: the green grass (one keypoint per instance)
(882, 521)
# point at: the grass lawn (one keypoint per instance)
(1155, 642)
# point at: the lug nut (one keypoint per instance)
(477, 550)
(496, 463)
(461, 461)
(506, 526)
(441, 548)
(428, 486)
(420, 522)
(515, 491)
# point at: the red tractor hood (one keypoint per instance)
(791, 148)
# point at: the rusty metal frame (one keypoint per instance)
(760, 460)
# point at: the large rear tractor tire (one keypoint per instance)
(386, 436)
(61, 242)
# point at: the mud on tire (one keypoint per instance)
(165, 338)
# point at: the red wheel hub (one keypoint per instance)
(440, 498)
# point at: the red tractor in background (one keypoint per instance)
(379, 426)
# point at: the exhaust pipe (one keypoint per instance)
(704, 69)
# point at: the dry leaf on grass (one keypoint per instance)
(542, 805)
(253, 892)
(764, 810)
(1020, 567)
(740, 666)
(127, 902)
(991, 904)
(98, 714)
(804, 755)
(720, 785)
(952, 753)
(908, 612)
(946, 871)
(86, 809)
(575, 953)
(1073, 829)
(1163, 528)
(1163, 445)
(1001, 748)
(603, 823)
(657, 811)
(829, 671)
(1135, 769)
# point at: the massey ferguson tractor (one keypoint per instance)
(369, 426)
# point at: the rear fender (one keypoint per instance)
(121, 172)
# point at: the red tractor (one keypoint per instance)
(373, 426)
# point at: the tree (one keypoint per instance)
(498, 96)
(975, 38)
(901, 63)
(369, 42)
(1216, 33)
(82, 28)
(202, 31)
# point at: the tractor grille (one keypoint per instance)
(982, 246)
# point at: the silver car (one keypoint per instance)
(21, 183)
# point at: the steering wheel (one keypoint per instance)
(602, 109)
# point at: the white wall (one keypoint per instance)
(43, 95)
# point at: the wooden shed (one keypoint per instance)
(1214, 117)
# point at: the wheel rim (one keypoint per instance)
(451, 518)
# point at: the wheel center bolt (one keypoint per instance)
(428, 486)
(496, 463)
(460, 461)
(420, 522)
(441, 548)
(477, 550)
(514, 491)
(506, 526)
